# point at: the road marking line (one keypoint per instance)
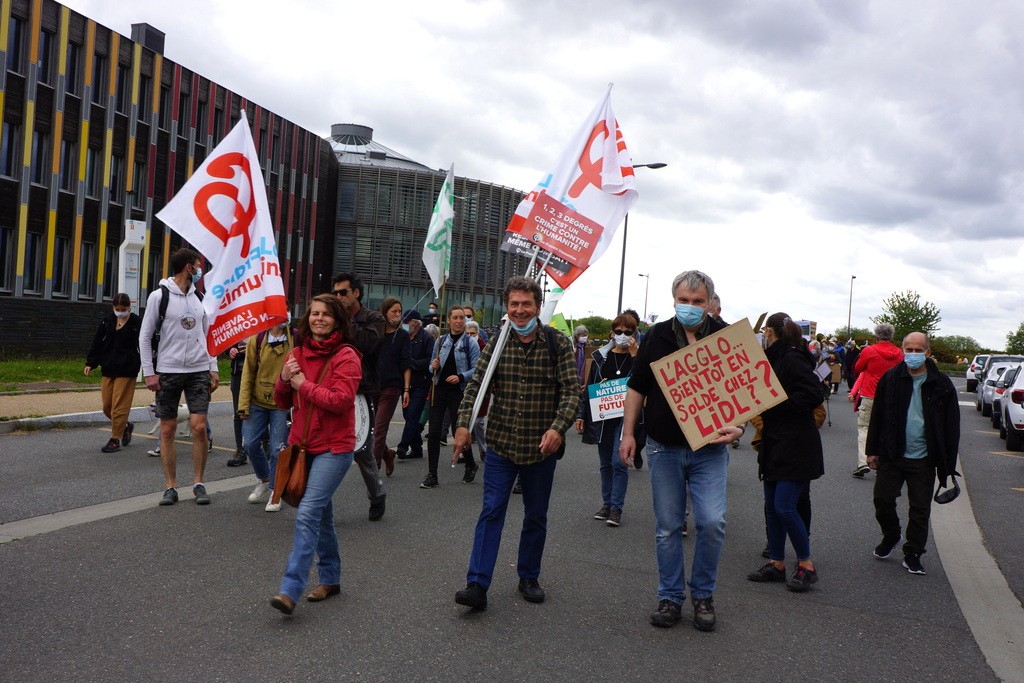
(1021, 490)
(993, 612)
(34, 526)
(153, 437)
(967, 403)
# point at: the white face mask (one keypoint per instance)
(122, 314)
(583, 339)
(622, 340)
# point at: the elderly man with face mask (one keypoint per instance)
(675, 466)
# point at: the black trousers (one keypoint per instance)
(447, 398)
(919, 476)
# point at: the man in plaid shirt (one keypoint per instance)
(534, 396)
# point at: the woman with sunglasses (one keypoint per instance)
(612, 361)
(790, 455)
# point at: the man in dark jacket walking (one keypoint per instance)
(914, 433)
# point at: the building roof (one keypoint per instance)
(353, 144)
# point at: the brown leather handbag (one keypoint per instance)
(293, 462)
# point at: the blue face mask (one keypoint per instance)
(913, 360)
(689, 316)
(405, 327)
(196, 276)
(525, 329)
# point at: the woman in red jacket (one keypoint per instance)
(319, 380)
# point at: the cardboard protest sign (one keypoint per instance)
(607, 399)
(722, 380)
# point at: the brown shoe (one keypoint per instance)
(389, 462)
(282, 603)
(322, 592)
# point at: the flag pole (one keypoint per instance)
(433, 383)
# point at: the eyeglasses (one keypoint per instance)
(340, 292)
(629, 332)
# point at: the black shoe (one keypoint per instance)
(402, 451)
(614, 517)
(767, 574)
(531, 590)
(199, 491)
(170, 497)
(209, 445)
(126, 438)
(912, 563)
(766, 554)
(802, 579)
(112, 446)
(430, 482)
(667, 615)
(473, 595)
(410, 455)
(885, 548)
(603, 513)
(517, 488)
(377, 509)
(861, 471)
(470, 475)
(238, 460)
(638, 461)
(704, 614)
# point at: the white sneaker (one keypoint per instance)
(258, 492)
(272, 506)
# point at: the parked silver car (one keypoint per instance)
(987, 388)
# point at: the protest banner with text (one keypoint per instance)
(223, 211)
(720, 381)
(607, 399)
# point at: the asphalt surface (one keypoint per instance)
(182, 591)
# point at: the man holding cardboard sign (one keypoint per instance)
(673, 462)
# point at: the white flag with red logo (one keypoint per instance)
(575, 211)
(223, 211)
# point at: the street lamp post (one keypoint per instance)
(647, 288)
(625, 233)
(849, 311)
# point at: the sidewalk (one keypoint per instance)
(79, 404)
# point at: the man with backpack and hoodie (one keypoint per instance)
(175, 359)
(873, 362)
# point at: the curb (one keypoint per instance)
(92, 419)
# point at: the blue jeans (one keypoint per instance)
(412, 434)
(705, 471)
(254, 428)
(314, 526)
(782, 517)
(614, 473)
(499, 476)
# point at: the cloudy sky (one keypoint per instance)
(806, 142)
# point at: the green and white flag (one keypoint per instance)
(437, 250)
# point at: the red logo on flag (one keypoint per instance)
(223, 167)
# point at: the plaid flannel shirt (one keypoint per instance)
(528, 396)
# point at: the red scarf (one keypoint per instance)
(325, 348)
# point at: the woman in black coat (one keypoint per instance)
(791, 455)
(115, 348)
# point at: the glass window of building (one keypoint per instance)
(61, 265)
(201, 123)
(99, 80)
(68, 163)
(183, 114)
(165, 108)
(40, 145)
(139, 185)
(9, 149)
(72, 79)
(6, 259)
(87, 270)
(218, 125)
(124, 89)
(116, 179)
(33, 281)
(16, 45)
(346, 200)
(45, 57)
(145, 97)
(92, 173)
(109, 272)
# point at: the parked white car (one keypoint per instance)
(1012, 423)
(972, 372)
(1002, 384)
(987, 388)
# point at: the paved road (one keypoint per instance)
(182, 591)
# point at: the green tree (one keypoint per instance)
(905, 312)
(598, 327)
(1015, 340)
(956, 345)
(856, 333)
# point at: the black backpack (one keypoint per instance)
(165, 297)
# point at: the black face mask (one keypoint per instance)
(950, 494)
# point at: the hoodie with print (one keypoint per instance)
(182, 336)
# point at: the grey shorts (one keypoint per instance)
(196, 386)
